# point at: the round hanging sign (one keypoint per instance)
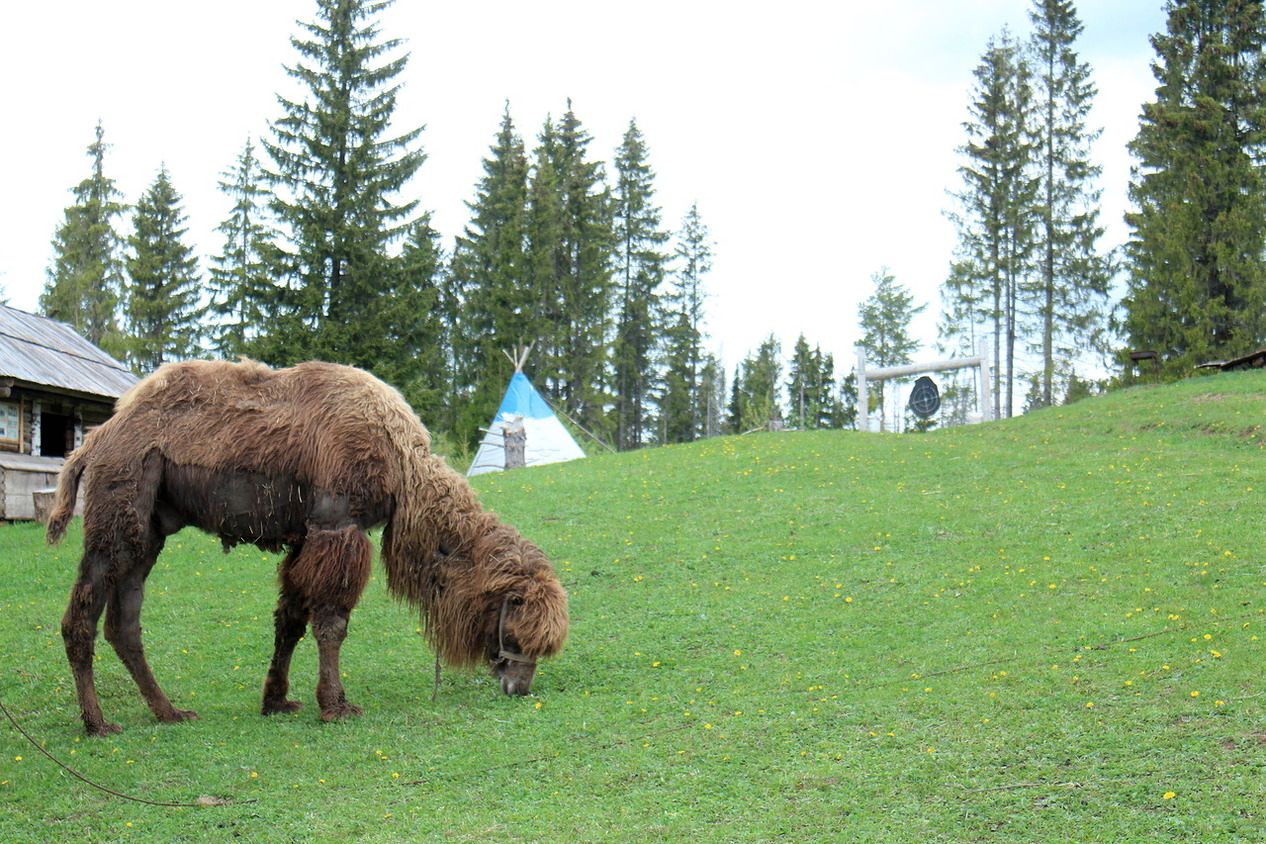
(925, 398)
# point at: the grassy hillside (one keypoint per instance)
(1038, 630)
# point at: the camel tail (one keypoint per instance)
(64, 500)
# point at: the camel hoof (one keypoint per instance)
(281, 707)
(341, 711)
(178, 715)
(104, 729)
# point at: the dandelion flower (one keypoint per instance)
(1169, 795)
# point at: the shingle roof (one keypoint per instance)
(43, 351)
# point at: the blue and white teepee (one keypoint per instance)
(547, 440)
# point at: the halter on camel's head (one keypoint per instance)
(487, 596)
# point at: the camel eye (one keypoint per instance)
(516, 601)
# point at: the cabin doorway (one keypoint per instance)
(56, 431)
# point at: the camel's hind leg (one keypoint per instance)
(79, 632)
(123, 632)
(291, 620)
(330, 572)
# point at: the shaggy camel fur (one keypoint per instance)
(304, 459)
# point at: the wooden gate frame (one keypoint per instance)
(865, 376)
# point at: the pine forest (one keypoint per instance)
(328, 252)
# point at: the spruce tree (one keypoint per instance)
(826, 409)
(1197, 286)
(413, 337)
(85, 280)
(492, 272)
(570, 243)
(162, 295)
(241, 276)
(802, 380)
(844, 412)
(884, 319)
(546, 259)
(337, 177)
(1071, 290)
(685, 400)
(678, 404)
(640, 268)
(756, 383)
(996, 215)
(734, 406)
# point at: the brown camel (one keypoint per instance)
(304, 459)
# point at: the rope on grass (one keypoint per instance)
(199, 803)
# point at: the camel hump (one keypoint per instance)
(191, 382)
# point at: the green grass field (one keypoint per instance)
(1048, 629)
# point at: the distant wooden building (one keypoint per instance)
(1254, 360)
(55, 386)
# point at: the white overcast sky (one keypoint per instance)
(818, 138)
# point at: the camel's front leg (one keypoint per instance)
(291, 619)
(330, 628)
(330, 572)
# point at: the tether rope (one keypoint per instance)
(206, 801)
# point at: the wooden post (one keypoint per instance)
(863, 398)
(515, 443)
(986, 387)
(43, 499)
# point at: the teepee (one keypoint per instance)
(547, 441)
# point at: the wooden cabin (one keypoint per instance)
(55, 386)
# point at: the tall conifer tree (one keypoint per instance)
(1197, 287)
(546, 261)
(685, 403)
(801, 379)
(491, 270)
(338, 174)
(996, 216)
(85, 280)
(640, 269)
(241, 276)
(570, 245)
(162, 302)
(1071, 289)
